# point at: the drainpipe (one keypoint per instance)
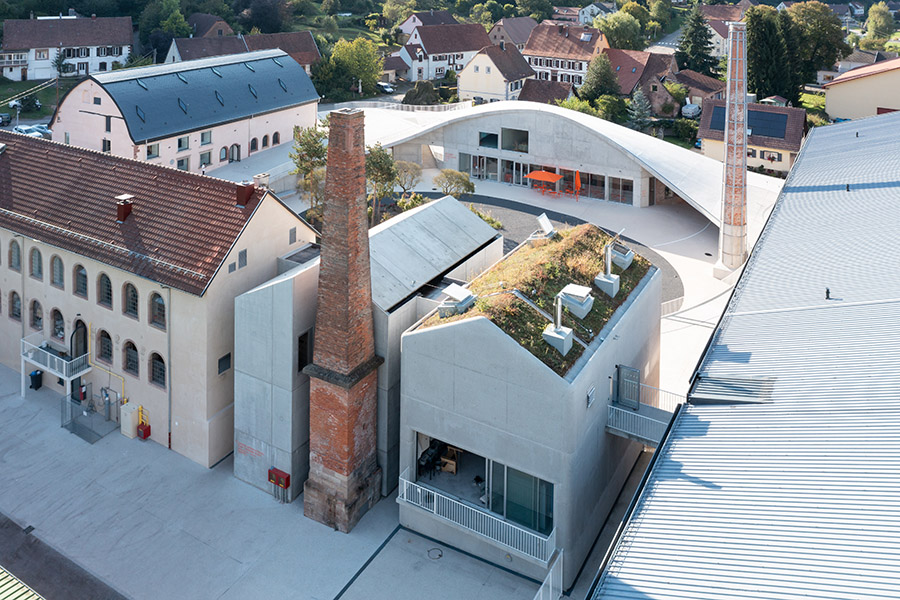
(23, 309)
(169, 356)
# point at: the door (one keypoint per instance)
(24, 73)
(420, 73)
(77, 347)
(234, 155)
(629, 392)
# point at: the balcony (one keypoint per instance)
(481, 522)
(643, 419)
(52, 358)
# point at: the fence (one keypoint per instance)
(661, 399)
(408, 107)
(38, 352)
(89, 416)
(639, 426)
(552, 588)
(476, 520)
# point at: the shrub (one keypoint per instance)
(486, 217)
(686, 129)
(412, 201)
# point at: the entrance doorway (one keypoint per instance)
(514, 173)
(24, 73)
(234, 154)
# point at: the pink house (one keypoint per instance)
(195, 115)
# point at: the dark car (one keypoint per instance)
(5, 119)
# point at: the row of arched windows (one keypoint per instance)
(130, 297)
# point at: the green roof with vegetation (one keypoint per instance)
(540, 271)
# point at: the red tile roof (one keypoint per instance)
(628, 65)
(24, 34)
(563, 41)
(698, 81)
(794, 128)
(866, 71)
(447, 39)
(395, 63)
(181, 227)
(545, 92)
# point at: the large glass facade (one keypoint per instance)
(514, 139)
(621, 190)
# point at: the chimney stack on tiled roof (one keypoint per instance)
(733, 232)
(344, 477)
(123, 207)
(243, 193)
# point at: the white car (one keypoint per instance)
(691, 111)
(385, 87)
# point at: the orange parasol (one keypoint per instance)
(544, 176)
(577, 184)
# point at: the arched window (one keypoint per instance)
(157, 311)
(37, 315)
(254, 144)
(15, 256)
(15, 306)
(80, 281)
(104, 291)
(276, 138)
(130, 359)
(266, 141)
(223, 154)
(157, 370)
(37, 264)
(59, 325)
(104, 347)
(130, 300)
(56, 272)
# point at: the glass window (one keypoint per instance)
(157, 370)
(254, 145)
(157, 311)
(153, 151)
(303, 351)
(223, 154)
(15, 306)
(242, 259)
(56, 272)
(184, 164)
(487, 140)
(621, 190)
(106, 146)
(205, 158)
(130, 300)
(108, 124)
(104, 291)
(276, 138)
(37, 264)
(59, 325)
(224, 363)
(206, 138)
(514, 139)
(184, 143)
(104, 347)
(265, 141)
(37, 315)
(130, 359)
(80, 279)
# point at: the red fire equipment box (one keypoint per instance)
(143, 431)
(279, 478)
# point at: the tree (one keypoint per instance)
(661, 11)
(536, 9)
(454, 183)
(409, 174)
(822, 38)
(872, 43)
(422, 93)
(622, 30)
(331, 7)
(161, 21)
(637, 11)
(640, 113)
(652, 29)
(309, 156)
(314, 186)
(397, 11)
(381, 174)
(880, 24)
(176, 25)
(600, 79)
(582, 106)
(790, 37)
(611, 108)
(766, 75)
(852, 40)
(265, 14)
(59, 64)
(360, 61)
(678, 91)
(695, 46)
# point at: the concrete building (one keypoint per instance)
(512, 30)
(207, 25)
(299, 45)
(504, 451)
(495, 73)
(433, 50)
(129, 288)
(563, 52)
(194, 116)
(774, 137)
(864, 91)
(89, 45)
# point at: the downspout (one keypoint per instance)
(101, 367)
(169, 356)
(23, 308)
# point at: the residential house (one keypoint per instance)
(89, 45)
(700, 87)
(207, 25)
(432, 50)
(512, 30)
(894, 7)
(504, 450)
(717, 19)
(647, 70)
(546, 92)
(119, 278)
(495, 73)
(394, 67)
(864, 91)
(428, 17)
(596, 9)
(775, 101)
(566, 14)
(563, 52)
(785, 5)
(299, 45)
(774, 134)
(195, 115)
(857, 58)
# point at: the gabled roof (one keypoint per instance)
(180, 229)
(201, 23)
(517, 28)
(164, 100)
(867, 57)
(202, 47)
(721, 12)
(545, 91)
(447, 39)
(395, 63)
(719, 26)
(840, 9)
(435, 17)
(24, 34)
(509, 61)
(698, 81)
(657, 68)
(574, 42)
(866, 71)
(299, 45)
(628, 65)
(779, 127)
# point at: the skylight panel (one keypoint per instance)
(252, 90)
(182, 106)
(141, 83)
(282, 84)
(220, 98)
(140, 114)
(249, 66)
(278, 62)
(216, 71)
(181, 77)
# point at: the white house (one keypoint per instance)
(89, 45)
(563, 52)
(596, 9)
(432, 50)
(428, 17)
(496, 73)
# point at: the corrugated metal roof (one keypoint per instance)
(410, 250)
(776, 501)
(13, 589)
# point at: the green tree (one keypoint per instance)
(600, 79)
(314, 186)
(653, 29)
(582, 106)
(622, 30)
(409, 174)
(308, 154)
(766, 75)
(422, 93)
(360, 61)
(381, 174)
(791, 38)
(640, 113)
(59, 64)
(880, 24)
(637, 11)
(454, 183)
(536, 9)
(331, 7)
(868, 43)
(695, 46)
(176, 25)
(397, 11)
(661, 12)
(822, 38)
(611, 108)
(678, 91)
(852, 40)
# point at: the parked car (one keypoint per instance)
(385, 87)
(5, 119)
(31, 130)
(18, 104)
(691, 111)
(43, 129)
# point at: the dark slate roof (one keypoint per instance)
(201, 23)
(24, 34)
(300, 45)
(180, 229)
(867, 57)
(698, 81)
(164, 100)
(517, 28)
(510, 62)
(545, 92)
(435, 17)
(447, 39)
(779, 127)
(201, 47)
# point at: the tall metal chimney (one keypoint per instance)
(733, 232)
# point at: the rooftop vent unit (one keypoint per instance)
(243, 193)
(459, 301)
(622, 256)
(577, 299)
(261, 180)
(608, 282)
(546, 231)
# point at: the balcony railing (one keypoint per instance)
(635, 425)
(552, 588)
(478, 521)
(14, 62)
(661, 399)
(37, 351)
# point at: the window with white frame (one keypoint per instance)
(42, 54)
(184, 143)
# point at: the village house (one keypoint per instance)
(512, 30)
(299, 45)
(429, 17)
(717, 18)
(864, 91)
(207, 25)
(495, 73)
(433, 50)
(857, 58)
(546, 92)
(596, 9)
(563, 52)
(648, 71)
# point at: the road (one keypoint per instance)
(668, 44)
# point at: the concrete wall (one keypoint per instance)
(863, 97)
(470, 385)
(84, 122)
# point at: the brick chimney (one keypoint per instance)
(123, 207)
(733, 232)
(344, 478)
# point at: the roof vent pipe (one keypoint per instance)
(123, 207)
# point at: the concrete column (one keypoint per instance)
(24, 376)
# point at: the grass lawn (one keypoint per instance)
(47, 96)
(680, 142)
(815, 109)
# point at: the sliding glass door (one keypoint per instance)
(519, 497)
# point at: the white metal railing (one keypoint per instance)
(478, 521)
(37, 351)
(552, 588)
(408, 107)
(660, 399)
(640, 426)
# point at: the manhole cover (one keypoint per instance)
(435, 553)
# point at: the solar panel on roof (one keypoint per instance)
(759, 122)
